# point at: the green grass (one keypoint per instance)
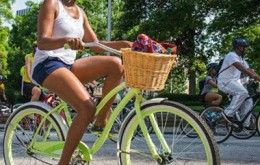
(200, 108)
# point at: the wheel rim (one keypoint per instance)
(184, 149)
(19, 133)
(244, 133)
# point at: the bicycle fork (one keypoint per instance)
(147, 137)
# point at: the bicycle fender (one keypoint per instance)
(154, 100)
(47, 108)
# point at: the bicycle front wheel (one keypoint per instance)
(169, 117)
(258, 124)
(243, 133)
(21, 128)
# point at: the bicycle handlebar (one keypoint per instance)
(97, 44)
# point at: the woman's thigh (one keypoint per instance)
(67, 86)
(211, 96)
(92, 68)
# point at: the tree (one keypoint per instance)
(198, 27)
(232, 19)
(252, 34)
(5, 16)
(5, 10)
(182, 22)
(97, 11)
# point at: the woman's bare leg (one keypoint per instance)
(213, 99)
(66, 85)
(36, 93)
(89, 69)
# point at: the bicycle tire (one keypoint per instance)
(244, 133)
(220, 128)
(17, 136)
(258, 124)
(190, 131)
(180, 112)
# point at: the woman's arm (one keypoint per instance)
(45, 41)
(212, 83)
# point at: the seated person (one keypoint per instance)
(209, 92)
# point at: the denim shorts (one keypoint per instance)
(44, 69)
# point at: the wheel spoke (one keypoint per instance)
(183, 149)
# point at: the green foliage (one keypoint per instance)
(252, 34)
(5, 10)
(176, 82)
(5, 15)
(231, 15)
(97, 10)
(181, 22)
(198, 27)
(4, 32)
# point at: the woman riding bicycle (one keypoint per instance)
(62, 22)
(229, 81)
(209, 92)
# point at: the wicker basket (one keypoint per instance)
(147, 71)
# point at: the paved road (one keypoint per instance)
(232, 152)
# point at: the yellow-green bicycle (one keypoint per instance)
(164, 143)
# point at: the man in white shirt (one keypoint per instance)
(229, 81)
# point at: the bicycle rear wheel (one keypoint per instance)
(169, 117)
(219, 126)
(21, 127)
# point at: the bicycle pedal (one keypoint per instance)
(234, 125)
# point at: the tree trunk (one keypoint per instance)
(190, 37)
(192, 82)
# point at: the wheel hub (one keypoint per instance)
(166, 159)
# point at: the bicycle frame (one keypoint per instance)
(50, 148)
(251, 110)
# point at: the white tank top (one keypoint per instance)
(64, 26)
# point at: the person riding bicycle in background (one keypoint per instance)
(3, 97)
(62, 22)
(209, 92)
(229, 81)
(29, 90)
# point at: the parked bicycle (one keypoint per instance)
(5, 111)
(165, 144)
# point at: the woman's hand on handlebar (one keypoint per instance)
(75, 43)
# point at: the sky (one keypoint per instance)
(20, 4)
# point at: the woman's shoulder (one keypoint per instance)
(51, 4)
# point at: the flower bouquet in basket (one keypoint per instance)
(148, 63)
